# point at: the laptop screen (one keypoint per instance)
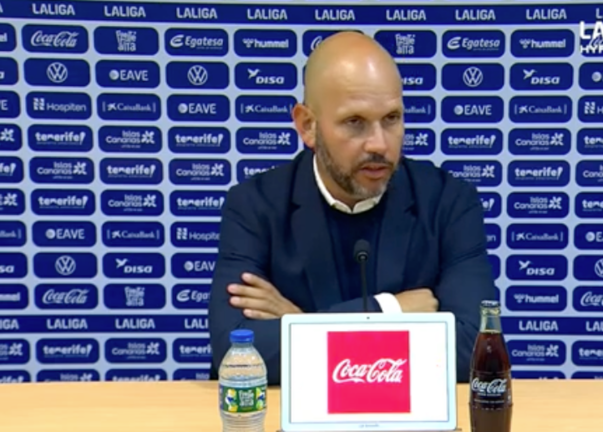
(379, 372)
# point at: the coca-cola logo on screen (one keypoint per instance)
(369, 372)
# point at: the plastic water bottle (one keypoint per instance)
(243, 382)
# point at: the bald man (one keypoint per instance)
(287, 236)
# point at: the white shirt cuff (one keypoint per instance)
(388, 303)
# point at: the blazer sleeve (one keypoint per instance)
(245, 247)
(466, 275)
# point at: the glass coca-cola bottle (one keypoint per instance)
(490, 393)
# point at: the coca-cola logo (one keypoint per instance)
(590, 299)
(63, 39)
(74, 296)
(496, 387)
(382, 370)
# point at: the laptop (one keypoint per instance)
(368, 372)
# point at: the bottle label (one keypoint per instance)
(242, 399)
(491, 391)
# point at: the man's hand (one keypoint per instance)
(417, 300)
(259, 299)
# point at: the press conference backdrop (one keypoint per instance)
(124, 124)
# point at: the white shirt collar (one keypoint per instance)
(360, 207)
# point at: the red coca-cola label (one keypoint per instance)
(368, 372)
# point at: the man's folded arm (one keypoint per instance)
(466, 275)
(245, 247)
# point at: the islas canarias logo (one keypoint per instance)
(368, 372)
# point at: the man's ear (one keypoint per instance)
(305, 124)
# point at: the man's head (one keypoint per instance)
(352, 115)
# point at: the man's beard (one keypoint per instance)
(345, 180)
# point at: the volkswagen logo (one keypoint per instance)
(65, 265)
(599, 268)
(472, 77)
(197, 75)
(57, 72)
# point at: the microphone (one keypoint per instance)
(362, 249)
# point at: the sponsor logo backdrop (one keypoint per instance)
(122, 126)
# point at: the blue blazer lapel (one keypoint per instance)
(312, 238)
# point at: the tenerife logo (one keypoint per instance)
(134, 265)
(66, 351)
(247, 168)
(198, 108)
(131, 171)
(491, 203)
(193, 265)
(130, 139)
(542, 76)
(64, 234)
(417, 76)
(531, 352)
(591, 39)
(72, 296)
(199, 140)
(9, 69)
(265, 43)
(12, 265)
(133, 234)
(63, 138)
(419, 141)
(55, 39)
(13, 296)
(268, 76)
(196, 42)
(57, 73)
(467, 76)
(536, 267)
(200, 171)
(14, 351)
(588, 267)
(197, 75)
(135, 350)
(11, 137)
(472, 142)
(63, 265)
(191, 296)
(197, 203)
(8, 38)
(590, 109)
(538, 173)
(537, 236)
(10, 104)
(589, 141)
(540, 298)
(482, 173)
(588, 299)
(127, 74)
(267, 140)
(264, 108)
(472, 109)
(62, 202)
(588, 236)
(539, 141)
(61, 170)
(419, 109)
(408, 44)
(541, 109)
(591, 76)
(589, 205)
(587, 353)
(115, 106)
(590, 173)
(195, 234)
(538, 205)
(126, 41)
(12, 201)
(131, 203)
(12, 233)
(11, 170)
(67, 106)
(542, 43)
(474, 43)
(135, 296)
(192, 350)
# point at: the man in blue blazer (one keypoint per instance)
(287, 236)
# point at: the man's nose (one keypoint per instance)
(376, 142)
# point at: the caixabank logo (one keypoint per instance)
(131, 171)
(538, 173)
(590, 141)
(11, 137)
(528, 141)
(55, 72)
(537, 267)
(480, 173)
(134, 296)
(588, 236)
(542, 43)
(133, 234)
(541, 76)
(264, 43)
(131, 41)
(197, 75)
(55, 39)
(419, 109)
(419, 141)
(472, 109)
(64, 234)
(66, 296)
(12, 233)
(407, 44)
(196, 42)
(204, 108)
(473, 77)
(591, 76)
(127, 74)
(59, 138)
(267, 140)
(132, 203)
(146, 265)
(210, 140)
(264, 108)
(266, 76)
(130, 139)
(417, 76)
(63, 202)
(193, 265)
(10, 104)
(65, 265)
(64, 106)
(535, 352)
(12, 202)
(137, 107)
(473, 43)
(538, 205)
(536, 298)
(472, 141)
(197, 203)
(589, 205)
(537, 236)
(541, 109)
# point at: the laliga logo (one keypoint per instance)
(495, 387)
(383, 370)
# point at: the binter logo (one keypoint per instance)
(483, 173)
(536, 267)
(265, 43)
(408, 44)
(542, 43)
(471, 43)
(368, 372)
(130, 139)
(197, 203)
(196, 42)
(472, 142)
(127, 74)
(542, 76)
(419, 141)
(55, 39)
(268, 76)
(538, 173)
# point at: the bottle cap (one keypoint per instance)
(490, 303)
(241, 336)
